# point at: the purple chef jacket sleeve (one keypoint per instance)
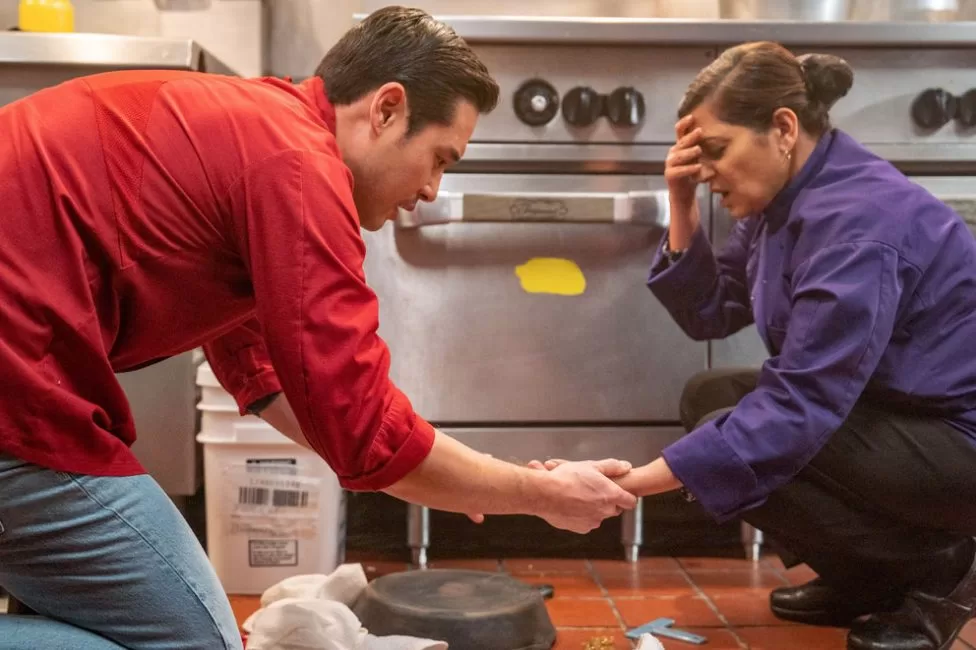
(844, 302)
(706, 295)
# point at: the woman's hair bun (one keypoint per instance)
(828, 77)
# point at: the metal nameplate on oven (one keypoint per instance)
(641, 208)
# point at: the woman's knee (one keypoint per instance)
(714, 392)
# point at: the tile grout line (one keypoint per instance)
(711, 604)
(594, 574)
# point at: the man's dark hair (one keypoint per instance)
(436, 67)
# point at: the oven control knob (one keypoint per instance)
(582, 106)
(536, 102)
(966, 113)
(934, 108)
(625, 107)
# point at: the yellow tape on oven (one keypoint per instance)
(551, 275)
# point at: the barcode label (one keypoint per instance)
(256, 496)
(272, 489)
(290, 499)
(253, 496)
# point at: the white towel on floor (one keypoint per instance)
(311, 612)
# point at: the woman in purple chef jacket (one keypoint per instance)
(854, 447)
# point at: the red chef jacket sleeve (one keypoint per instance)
(241, 364)
(294, 222)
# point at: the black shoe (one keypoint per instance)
(816, 603)
(924, 622)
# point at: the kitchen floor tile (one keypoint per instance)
(772, 562)
(725, 600)
(687, 611)
(969, 633)
(581, 612)
(645, 565)
(244, 606)
(566, 586)
(383, 567)
(474, 565)
(646, 584)
(790, 637)
(592, 639)
(544, 565)
(718, 639)
(718, 564)
(717, 582)
(750, 608)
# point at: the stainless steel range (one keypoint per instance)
(515, 305)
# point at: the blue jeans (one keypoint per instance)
(108, 563)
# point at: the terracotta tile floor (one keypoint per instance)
(724, 600)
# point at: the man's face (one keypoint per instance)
(397, 170)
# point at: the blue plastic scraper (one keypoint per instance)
(662, 627)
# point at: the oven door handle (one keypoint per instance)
(649, 208)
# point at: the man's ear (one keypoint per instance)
(388, 107)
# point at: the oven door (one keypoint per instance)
(522, 299)
(746, 348)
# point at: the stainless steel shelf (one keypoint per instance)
(644, 31)
(106, 51)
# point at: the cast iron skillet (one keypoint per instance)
(466, 609)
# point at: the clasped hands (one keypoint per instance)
(583, 494)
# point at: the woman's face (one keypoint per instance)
(745, 167)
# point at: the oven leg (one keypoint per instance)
(752, 541)
(632, 531)
(418, 534)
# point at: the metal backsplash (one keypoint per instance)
(808, 10)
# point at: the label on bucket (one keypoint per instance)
(272, 552)
(287, 466)
(270, 487)
(269, 499)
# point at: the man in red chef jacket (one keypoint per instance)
(147, 213)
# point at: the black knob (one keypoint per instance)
(536, 102)
(582, 106)
(625, 107)
(966, 113)
(934, 108)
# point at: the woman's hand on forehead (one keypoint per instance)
(684, 126)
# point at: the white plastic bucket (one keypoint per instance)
(274, 509)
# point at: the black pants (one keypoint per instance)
(886, 504)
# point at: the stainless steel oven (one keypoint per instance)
(519, 319)
(532, 288)
(516, 305)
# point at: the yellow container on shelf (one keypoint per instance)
(46, 16)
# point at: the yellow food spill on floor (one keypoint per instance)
(551, 275)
